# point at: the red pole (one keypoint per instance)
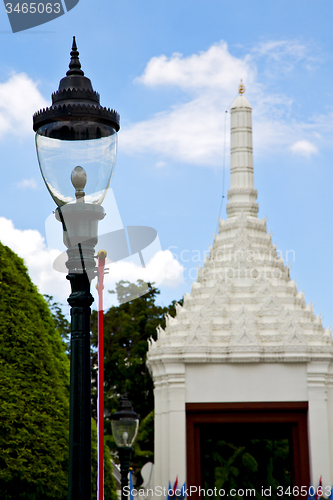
(100, 404)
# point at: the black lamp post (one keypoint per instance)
(76, 141)
(125, 424)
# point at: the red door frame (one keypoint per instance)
(294, 413)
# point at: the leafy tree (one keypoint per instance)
(34, 392)
(127, 329)
(34, 379)
(60, 321)
(245, 458)
(143, 445)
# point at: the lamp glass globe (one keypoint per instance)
(62, 146)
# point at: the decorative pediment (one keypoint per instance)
(291, 330)
(294, 338)
(271, 306)
(261, 280)
(201, 316)
(198, 333)
(287, 315)
(264, 291)
(217, 299)
(213, 304)
(243, 327)
(244, 337)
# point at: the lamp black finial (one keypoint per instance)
(74, 65)
(75, 99)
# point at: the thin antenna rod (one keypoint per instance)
(223, 170)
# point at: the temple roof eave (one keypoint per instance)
(200, 354)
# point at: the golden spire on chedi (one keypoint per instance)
(241, 88)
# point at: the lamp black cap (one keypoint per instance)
(125, 410)
(75, 99)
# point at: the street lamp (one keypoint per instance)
(125, 424)
(76, 141)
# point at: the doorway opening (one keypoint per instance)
(244, 448)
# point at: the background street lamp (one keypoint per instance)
(76, 141)
(125, 424)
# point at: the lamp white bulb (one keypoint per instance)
(125, 437)
(79, 180)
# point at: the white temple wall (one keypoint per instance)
(242, 382)
(180, 383)
(330, 413)
(160, 443)
(170, 425)
(319, 427)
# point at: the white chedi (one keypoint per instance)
(244, 305)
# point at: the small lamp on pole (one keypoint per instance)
(125, 424)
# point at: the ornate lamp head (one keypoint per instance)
(76, 132)
(125, 424)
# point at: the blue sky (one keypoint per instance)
(171, 69)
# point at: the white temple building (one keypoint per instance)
(244, 347)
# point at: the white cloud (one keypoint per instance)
(282, 56)
(162, 269)
(27, 184)
(193, 132)
(216, 69)
(190, 133)
(161, 164)
(304, 148)
(30, 245)
(19, 100)
(281, 50)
